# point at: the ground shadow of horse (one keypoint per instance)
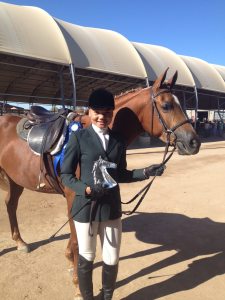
(35, 245)
(190, 237)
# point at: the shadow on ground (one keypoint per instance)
(34, 246)
(190, 237)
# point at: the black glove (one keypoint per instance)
(154, 170)
(97, 191)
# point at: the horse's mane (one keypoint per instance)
(128, 92)
(126, 96)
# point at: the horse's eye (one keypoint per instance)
(167, 106)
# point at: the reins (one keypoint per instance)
(166, 157)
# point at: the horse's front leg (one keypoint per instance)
(72, 247)
(69, 255)
(12, 199)
(75, 252)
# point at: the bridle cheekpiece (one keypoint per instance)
(168, 131)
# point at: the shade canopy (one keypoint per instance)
(157, 58)
(102, 50)
(206, 76)
(31, 32)
(221, 70)
(45, 60)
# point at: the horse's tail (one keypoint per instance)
(4, 184)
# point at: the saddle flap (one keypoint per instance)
(21, 129)
(43, 137)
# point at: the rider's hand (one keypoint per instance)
(97, 191)
(154, 170)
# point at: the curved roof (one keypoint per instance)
(156, 59)
(205, 75)
(36, 48)
(31, 32)
(101, 50)
(221, 70)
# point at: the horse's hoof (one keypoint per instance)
(23, 248)
(71, 271)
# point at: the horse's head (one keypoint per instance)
(169, 123)
(104, 164)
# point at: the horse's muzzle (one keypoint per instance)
(188, 145)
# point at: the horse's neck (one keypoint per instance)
(128, 114)
(127, 99)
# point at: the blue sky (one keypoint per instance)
(192, 27)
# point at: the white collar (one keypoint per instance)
(100, 130)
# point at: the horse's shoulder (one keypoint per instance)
(11, 118)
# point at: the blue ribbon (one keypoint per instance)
(58, 158)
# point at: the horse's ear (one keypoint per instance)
(159, 81)
(171, 82)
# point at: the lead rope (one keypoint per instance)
(146, 188)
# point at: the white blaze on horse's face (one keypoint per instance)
(168, 107)
(176, 100)
(101, 117)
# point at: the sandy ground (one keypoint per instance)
(173, 248)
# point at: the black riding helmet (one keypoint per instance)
(101, 98)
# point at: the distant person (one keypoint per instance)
(198, 126)
(206, 128)
(220, 128)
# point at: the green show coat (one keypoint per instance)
(83, 149)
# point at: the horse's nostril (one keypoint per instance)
(195, 143)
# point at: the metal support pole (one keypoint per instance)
(147, 85)
(185, 106)
(196, 104)
(62, 88)
(219, 113)
(72, 71)
(4, 106)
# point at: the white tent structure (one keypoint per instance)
(157, 58)
(47, 60)
(209, 83)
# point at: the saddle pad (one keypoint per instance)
(43, 137)
(22, 132)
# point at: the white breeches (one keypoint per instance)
(110, 235)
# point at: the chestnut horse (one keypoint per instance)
(153, 109)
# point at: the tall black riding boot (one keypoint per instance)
(109, 274)
(85, 269)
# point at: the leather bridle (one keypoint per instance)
(168, 131)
